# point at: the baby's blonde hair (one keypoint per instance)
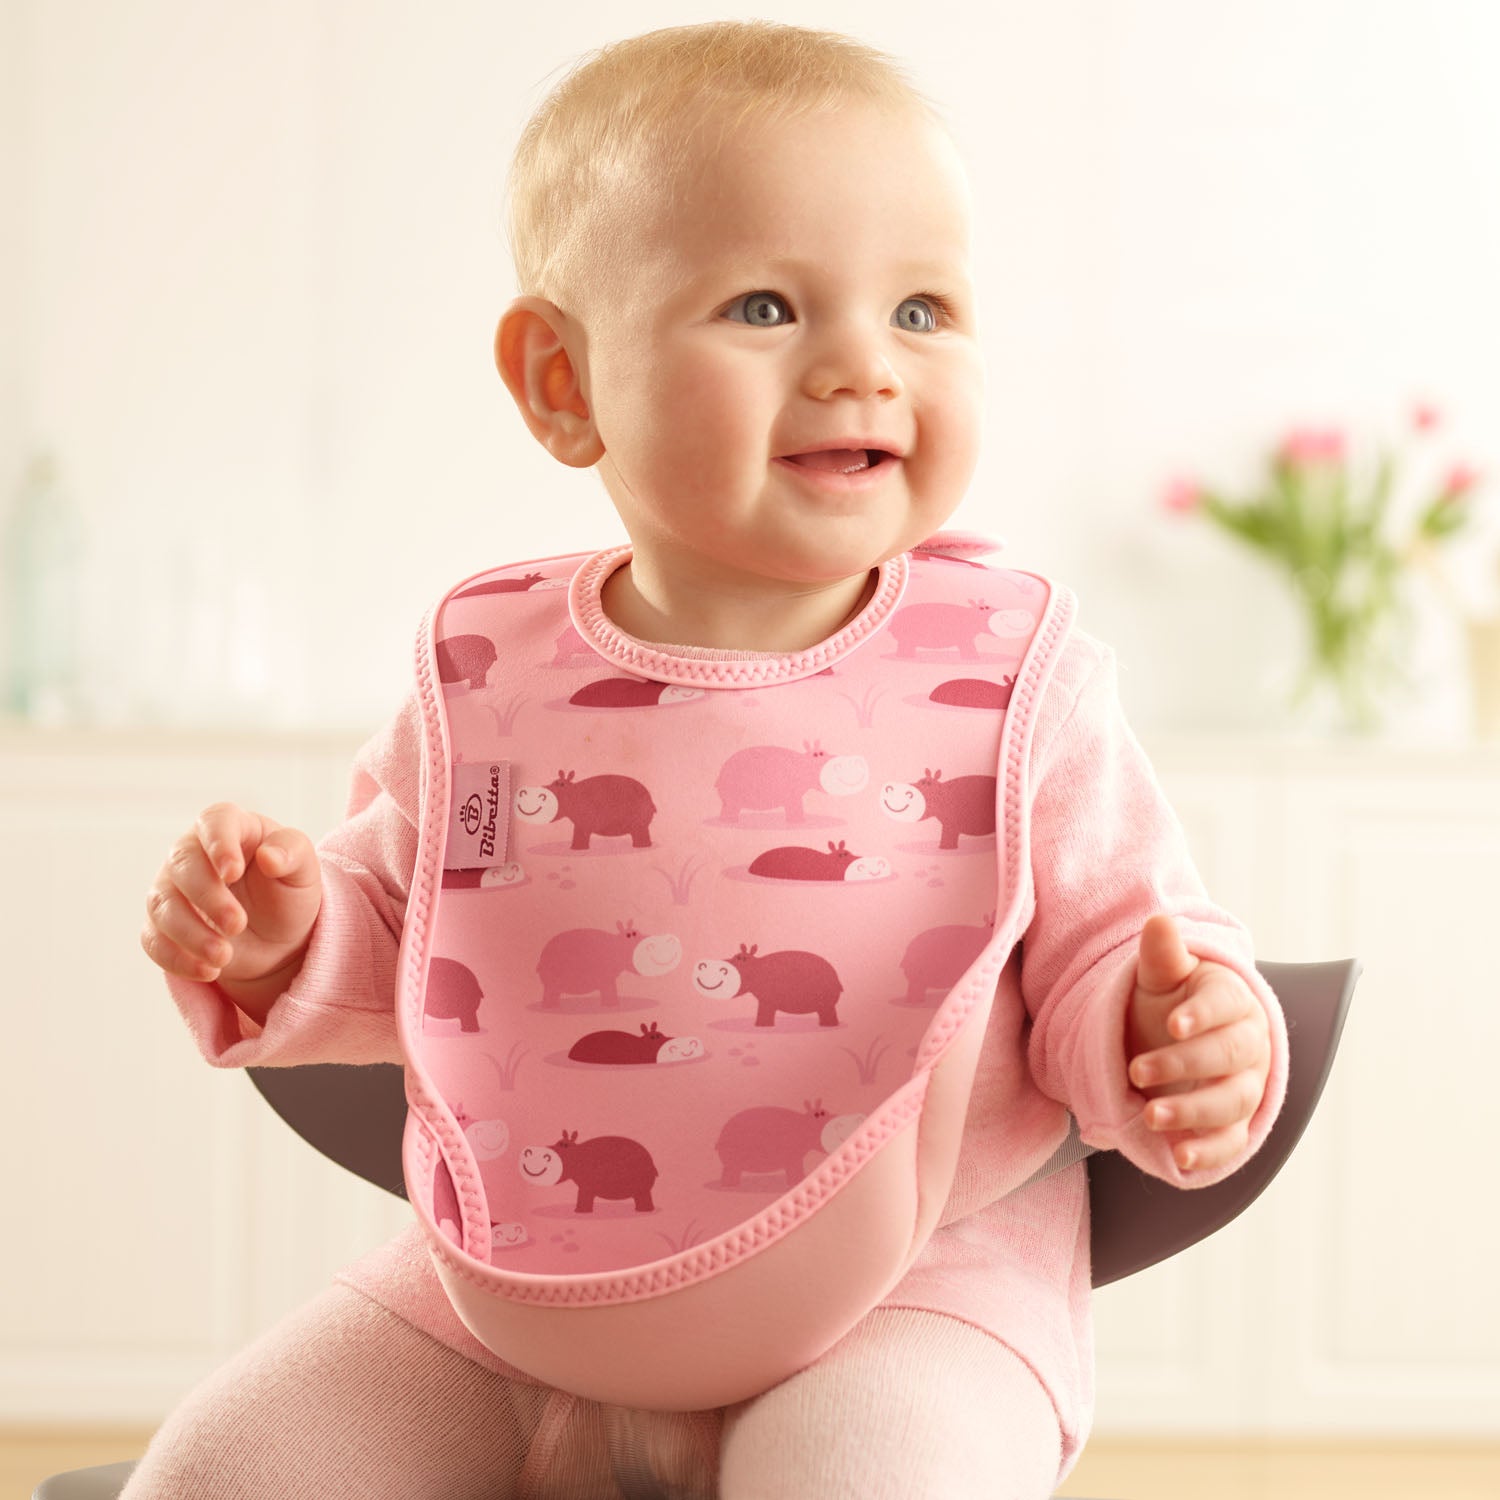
(630, 115)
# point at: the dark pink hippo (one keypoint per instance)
(465, 659)
(631, 692)
(964, 805)
(605, 805)
(608, 1166)
(766, 1138)
(588, 960)
(501, 586)
(794, 981)
(767, 776)
(974, 692)
(794, 862)
(936, 959)
(453, 994)
(621, 1047)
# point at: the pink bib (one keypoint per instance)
(699, 952)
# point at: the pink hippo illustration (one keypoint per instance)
(794, 862)
(631, 692)
(936, 959)
(621, 1047)
(766, 1138)
(954, 627)
(488, 1139)
(587, 961)
(608, 1166)
(508, 1235)
(501, 586)
(488, 878)
(568, 645)
(766, 776)
(794, 981)
(964, 805)
(465, 660)
(605, 805)
(974, 692)
(453, 994)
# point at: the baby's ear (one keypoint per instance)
(534, 346)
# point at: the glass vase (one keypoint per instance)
(1357, 629)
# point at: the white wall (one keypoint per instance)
(260, 260)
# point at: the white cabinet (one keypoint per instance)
(160, 1215)
(1359, 1294)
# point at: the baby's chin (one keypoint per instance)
(834, 554)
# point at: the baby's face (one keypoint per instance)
(785, 297)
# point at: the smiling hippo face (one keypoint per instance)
(657, 955)
(869, 867)
(717, 978)
(838, 1130)
(680, 1049)
(489, 1139)
(844, 775)
(1011, 624)
(541, 1166)
(902, 801)
(536, 804)
(511, 874)
(676, 693)
(508, 1237)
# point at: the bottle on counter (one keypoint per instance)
(42, 579)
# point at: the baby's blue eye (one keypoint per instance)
(762, 309)
(915, 315)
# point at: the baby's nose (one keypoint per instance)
(852, 364)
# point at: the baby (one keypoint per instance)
(748, 301)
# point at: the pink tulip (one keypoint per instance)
(1312, 445)
(1182, 496)
(1461, 479)
(1424, 416)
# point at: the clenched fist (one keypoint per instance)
(235, 901)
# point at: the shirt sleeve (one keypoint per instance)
(1107, 852)
(341, 1005)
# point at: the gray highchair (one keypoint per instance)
(355, 1115)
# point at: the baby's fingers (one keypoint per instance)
(229, 836)
(189, 873)
(288, 855)
(177, 939)
(1201, 1153)
(1228, 1101)
(1215, 1054)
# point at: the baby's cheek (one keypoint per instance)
(953, 442)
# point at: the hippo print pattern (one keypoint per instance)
(729, 914)
(610, 806)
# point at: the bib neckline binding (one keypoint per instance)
(706, 666)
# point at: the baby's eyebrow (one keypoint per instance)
(741, 270)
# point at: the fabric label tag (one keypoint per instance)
(478, 815)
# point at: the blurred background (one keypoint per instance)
(1237, 291)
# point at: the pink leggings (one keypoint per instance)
(344, 1399)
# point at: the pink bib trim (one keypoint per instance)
(703, 666)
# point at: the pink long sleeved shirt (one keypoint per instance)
(1106, 853)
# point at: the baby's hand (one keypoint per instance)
(234, 901)
(1217, 1078)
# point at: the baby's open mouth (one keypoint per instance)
(840, 460)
